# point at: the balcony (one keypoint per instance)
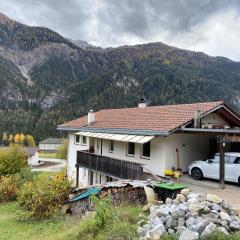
(109, 166)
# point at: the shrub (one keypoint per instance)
(44, 196)
(103, 211)
(12, 160)
(62, 150)
(25, 175)
(8, 188)
(110, 222)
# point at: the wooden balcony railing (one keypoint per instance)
(109, 166)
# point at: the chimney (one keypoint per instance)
(91, 117)
(197, 121)
(142, 103)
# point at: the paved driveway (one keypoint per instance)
(50, 165)
(231, 193)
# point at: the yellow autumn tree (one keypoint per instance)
(21, 138)
(17, 138)
(30, 142)
(10, 139)
(4, 138)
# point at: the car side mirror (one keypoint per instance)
(210, 161)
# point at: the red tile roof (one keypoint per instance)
(156, 118)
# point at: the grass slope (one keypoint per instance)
(121, 225)
(11, 228)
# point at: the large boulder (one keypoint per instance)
(159, 229)
(213, 198)
(234, 226)
(210, 228)
(188, 235)
(185, 192)
(181, 198)
(225, 217)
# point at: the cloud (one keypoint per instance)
(206, 25)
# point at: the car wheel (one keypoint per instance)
(239, 181)
(197, 174)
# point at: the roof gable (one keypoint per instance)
(156, 118)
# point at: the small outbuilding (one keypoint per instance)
(32, 154)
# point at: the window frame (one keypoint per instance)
(111, 146)
(131, 154)
(75, 138)
(142, 146)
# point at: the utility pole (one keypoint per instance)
(221, 162)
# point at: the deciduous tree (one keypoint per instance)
(4, 138)
(30, 142)
(21, 138)
(17, 138)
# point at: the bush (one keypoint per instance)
(62, 150)
(25, 175)
(44, 196)
(12, 160)
(8, 188)
(110, 222)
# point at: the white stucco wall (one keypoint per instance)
(33, 160)
(163, 153)
(190, 147)
(72, 158)
(49, 147)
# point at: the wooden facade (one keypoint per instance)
(109, 166)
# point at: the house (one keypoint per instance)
(139, 142)
(51, 144)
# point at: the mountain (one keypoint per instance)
(46, 79)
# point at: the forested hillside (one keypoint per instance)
(45, 79)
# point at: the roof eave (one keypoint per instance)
(115, 130)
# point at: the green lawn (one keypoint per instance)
(48, 155)
(13, 229)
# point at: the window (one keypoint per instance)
(216, 158)
(237, 160)
(84, 140)
(227, 159)
(146, 149)
(131, 148)
(77, 139)
(111, 146)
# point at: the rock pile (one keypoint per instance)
(191, 216)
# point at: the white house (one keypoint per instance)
(135, 142)
(51, 144)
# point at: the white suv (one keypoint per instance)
(209, 168)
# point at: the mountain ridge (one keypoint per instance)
(46, 79)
